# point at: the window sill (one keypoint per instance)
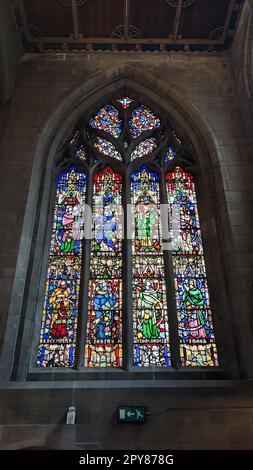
(132, 375)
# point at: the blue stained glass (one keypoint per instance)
(143, 119)
(150, 318)
(104, 323)
(59, 318)
(107, 119)
(170, 155)
(195, 327)
(139, 176)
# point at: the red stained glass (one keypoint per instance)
(59, 319)
(197, 341)
(104, 326)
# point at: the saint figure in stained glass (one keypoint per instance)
(104, 328)
(197, 342)
(59, 319)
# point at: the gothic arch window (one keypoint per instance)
(114, 300)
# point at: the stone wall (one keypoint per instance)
(178, 418)
(10, 51)
(203, 86)
(242, 62)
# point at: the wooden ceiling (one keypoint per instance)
(152, 25)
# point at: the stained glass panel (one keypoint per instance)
(146, 147)
(80, 153)
(107, 119)
(125, 102)
(143, 119)
(145, 200)
(104, 326)
(150, 317)
(107, 148)
(59, 319)
(170, 155)
(197, 342)
(148, 266)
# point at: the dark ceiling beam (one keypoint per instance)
(99, 40)
(228, 19)
(177, 19)
(126, 18)
(75, 18)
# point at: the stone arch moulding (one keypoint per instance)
(248, 54)
(52, 138)
(248, 65)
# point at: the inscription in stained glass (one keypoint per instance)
(150, 318)
(197, 342)
(59, 319)
(104, 326)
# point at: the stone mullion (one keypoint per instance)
(170, 287)
(127, 312)
(84, 283)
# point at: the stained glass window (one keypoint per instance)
(170, 155)
(143, 119)
(107, 119)
(59, 320)
(144, 148)
(197, 343)
(110, 283)
(104, 325)
(80, 153)
(150, 319)
(107, 148)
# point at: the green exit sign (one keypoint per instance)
(131, 414)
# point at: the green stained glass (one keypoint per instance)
(59, 318)
(150, 318)
(104, 326)
(196, 334)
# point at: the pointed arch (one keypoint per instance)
(49, 147)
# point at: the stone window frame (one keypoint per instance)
(51, 144)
